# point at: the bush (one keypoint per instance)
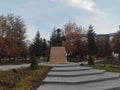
(91, 60)
(34, 63)
(81, 64)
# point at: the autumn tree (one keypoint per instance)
(116, 43)
(73, 34)
(103, 45)
(100, 44)
(81, 48)
(108, 47)
(25, 50)
(12, 35)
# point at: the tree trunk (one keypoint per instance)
(0, 58)
(119, 56)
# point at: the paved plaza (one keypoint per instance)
(72, 76)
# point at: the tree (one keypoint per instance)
(36, 46)
(103, 45)
(116, 43)
(91, 45)
(53, 38)
(108, 47)
(12, 35)
(81, 48)
(44, 47)
(100, 44)
(91, 60)
(73, 34)
(34, 64)
(91, 41)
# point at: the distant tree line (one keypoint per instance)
(77, 46)
(78, 42)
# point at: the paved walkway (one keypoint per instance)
(7, 67)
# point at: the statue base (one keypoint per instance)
(58, 55)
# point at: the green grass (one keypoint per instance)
(23, 78)
(111, 65)
(112, 62)
(106, 67)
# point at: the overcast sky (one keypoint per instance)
(44, 15)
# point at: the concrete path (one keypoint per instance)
(7, 67)
(74, 77)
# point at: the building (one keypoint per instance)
(105, 36)
(100, 36)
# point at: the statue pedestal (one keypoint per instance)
(58, 55)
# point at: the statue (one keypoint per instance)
(58, 53)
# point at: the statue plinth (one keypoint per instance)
(58, 55)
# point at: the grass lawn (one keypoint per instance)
(108, 65)
(107, 68)
(23, 78)
(112, 62)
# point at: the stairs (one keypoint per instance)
(74, 77)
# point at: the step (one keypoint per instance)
(61, 65)
(103, 85)
(82, 79)
(67, 69)
(66, 65)
(75, 73)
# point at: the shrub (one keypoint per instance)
(81, 64)
(91, 60)
(34, 63)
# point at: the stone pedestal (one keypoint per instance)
(58, 55)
